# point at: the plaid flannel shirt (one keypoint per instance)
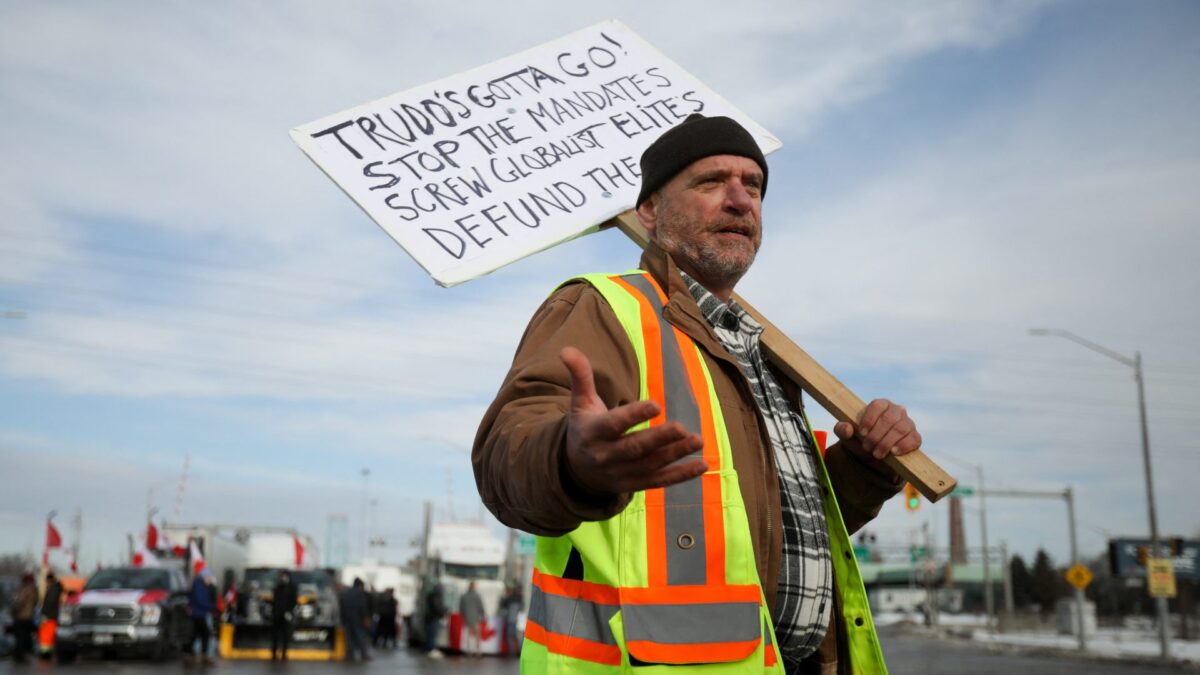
(805, 596)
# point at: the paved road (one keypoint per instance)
(906, 653)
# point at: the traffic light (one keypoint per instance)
(912, 498)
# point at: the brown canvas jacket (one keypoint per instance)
(521, 441)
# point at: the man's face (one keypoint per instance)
(709, 219)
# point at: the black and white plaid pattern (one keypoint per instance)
(804, 600)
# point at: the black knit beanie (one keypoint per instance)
(695, 138)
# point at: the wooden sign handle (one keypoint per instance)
(916, 467)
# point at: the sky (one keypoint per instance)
(179, 284)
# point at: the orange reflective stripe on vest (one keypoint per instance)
(571, 617)
(685, 534)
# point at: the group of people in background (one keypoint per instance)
(369, 619)
(471, 609)
(26, 607)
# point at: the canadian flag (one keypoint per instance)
(169, 544)
(151, 536)
(142, 557)
(303, 560)
(74, 566)
(198, 563)
(53, 538)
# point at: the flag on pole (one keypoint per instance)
(53, 538)
(198, 563)
(303, 560)
(151, 536)
(143, 557)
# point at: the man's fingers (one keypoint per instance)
(618, 420)
(871, 415)
(583, 385)
(675, 473)
(661, 445)
(843, 430)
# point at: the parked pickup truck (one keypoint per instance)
(126, 610)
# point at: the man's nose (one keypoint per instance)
(737, 198)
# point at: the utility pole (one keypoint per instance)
(1008, 589)
(1068, 495)
(362, 522)
(1164, 617)
(987, 568)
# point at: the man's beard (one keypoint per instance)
(711, 266)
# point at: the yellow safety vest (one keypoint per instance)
(671, 581)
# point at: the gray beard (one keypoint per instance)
(706, 265)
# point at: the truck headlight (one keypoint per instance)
(151, 613)
(66, 615)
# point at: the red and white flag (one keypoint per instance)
(151, 536)
(303, 559)
(143, 557)
(198, 563)
(53, 538)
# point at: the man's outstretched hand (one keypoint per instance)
(602, 459)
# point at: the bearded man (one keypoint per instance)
(685, 514)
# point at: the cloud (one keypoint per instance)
(170, 244)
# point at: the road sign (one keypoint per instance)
(963, 491)
(526, 544)
(862, 553)
(1161, 573)
(1079, 576)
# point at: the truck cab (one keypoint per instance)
(126, 610)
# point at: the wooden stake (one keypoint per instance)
(915, 467)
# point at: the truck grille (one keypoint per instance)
(103, 615)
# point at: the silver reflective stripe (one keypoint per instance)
(572, 617)
(684, 512)
(692, 624)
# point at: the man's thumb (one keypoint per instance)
(583, 385)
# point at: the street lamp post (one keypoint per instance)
(1164, 626)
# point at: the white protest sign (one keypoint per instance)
(486, 167)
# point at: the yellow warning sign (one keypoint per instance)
(1079, 576)
(1160, 573)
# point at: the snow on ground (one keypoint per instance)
(1109, 642)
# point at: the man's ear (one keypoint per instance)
(647, 212)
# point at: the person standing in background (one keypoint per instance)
(283, 603)
(435, 609)
(470, 606)
(23, 606)
(355, 619)
(51, 602)
(200, 608)
(510, 611)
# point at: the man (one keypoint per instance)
(385, 633)
(470, 607)
(434, 610)
(667, 466)
(355, 618)
(283, 604)
(200, 608)
(510, 611)
(23, 607)
(51, 602)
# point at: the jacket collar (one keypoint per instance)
(681, 309)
